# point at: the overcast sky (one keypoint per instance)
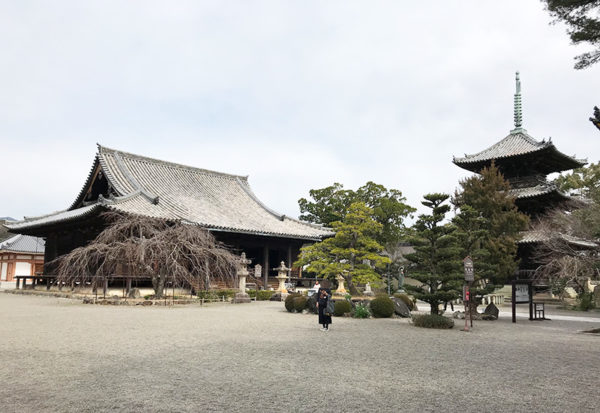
(295, 94)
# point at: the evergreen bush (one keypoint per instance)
(216, 295)
(300, 303)
(586, 301)
(382, 307)
(289, 302)
(432, 321)
(361, 311)
(406, 299)
(342, 307)
(261, 295)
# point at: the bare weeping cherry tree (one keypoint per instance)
(567, 257)
(184, 254)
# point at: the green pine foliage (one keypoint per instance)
(331, 204)
(353, 252)
(584, 181)
(488, 225)
(438, 267)
(583, 25)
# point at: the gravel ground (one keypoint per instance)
(59, 355)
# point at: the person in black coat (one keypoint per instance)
(323, 296)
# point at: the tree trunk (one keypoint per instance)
(351, 286)
(158, 283)
(435, 307)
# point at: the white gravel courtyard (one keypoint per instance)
(57, 355)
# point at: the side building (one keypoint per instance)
(525, 163)
(20, 255)
(132, 184)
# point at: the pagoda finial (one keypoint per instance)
(518, 108)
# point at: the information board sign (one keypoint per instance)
(469, 270)
(521, 293)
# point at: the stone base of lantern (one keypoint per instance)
(241, 298)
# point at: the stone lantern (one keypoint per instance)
(242, 296)
(341, 289)
(282, 272)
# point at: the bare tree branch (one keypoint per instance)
(184, 254)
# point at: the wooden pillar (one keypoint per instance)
(48, 283)
(266, 266)
(24, 283)
(128, 285)
(18, 283)
(289, 261)
(105, 287)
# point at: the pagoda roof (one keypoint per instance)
(150, 187)
(538, 190)
(519, 144)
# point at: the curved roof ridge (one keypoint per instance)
(103, 149)
(8, 242)
(87, 183)
(246, 187)
(520, 134)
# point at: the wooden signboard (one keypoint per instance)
(469, 270)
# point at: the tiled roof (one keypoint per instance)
(517, 143)
(537, 190)
(155, 188)
(534, 237)
(55, 217)
(23, 243)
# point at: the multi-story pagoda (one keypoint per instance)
(525, 164)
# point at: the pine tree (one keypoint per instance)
(352, 253)
(488, 226)
(436, 255)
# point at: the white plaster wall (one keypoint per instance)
(23, 268)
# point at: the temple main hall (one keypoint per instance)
(222, 203)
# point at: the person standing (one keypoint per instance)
(323, 297)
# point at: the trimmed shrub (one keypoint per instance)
(261, 295)
(432, 321)
(289, 302)
(406, 299)
(342, 307)
(216, 295)
(382, 307)
(361, 311)
(586, 301)
(300, 303)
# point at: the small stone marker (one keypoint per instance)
(368, 289)
(597, 296)
(134, 293)
(492, 311)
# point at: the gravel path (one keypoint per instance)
(61, 356)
